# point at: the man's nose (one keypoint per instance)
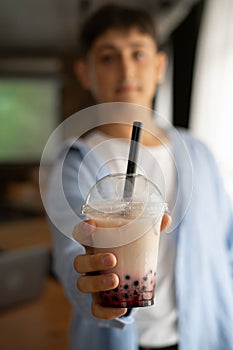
(126, 68)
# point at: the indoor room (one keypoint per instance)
(39, 90)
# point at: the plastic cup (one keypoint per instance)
(130, 229)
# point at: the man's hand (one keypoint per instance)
(91, 282)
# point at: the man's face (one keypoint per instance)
(123, 67)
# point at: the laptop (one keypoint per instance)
(22, 274)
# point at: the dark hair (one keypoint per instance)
(114, 16)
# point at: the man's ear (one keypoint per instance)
(161, 62)
(81, 71)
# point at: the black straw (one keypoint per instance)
(132, 159)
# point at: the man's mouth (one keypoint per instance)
(126, 88)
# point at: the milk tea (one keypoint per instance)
(136, 260)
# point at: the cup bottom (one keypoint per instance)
(127, 304)
(137, 293)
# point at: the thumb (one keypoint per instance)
(166, 222)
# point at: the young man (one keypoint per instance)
(194, 297)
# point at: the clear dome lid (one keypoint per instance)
(124, 208)
(124, 195)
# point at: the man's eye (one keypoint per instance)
(139, 55)
(107, 58)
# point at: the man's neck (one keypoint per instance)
(154, 137)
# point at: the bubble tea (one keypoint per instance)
(129, 227)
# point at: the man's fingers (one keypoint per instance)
(93, 284)
(106, 313)
(94, 262)
(83, 231)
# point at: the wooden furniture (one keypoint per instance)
(24, 233)
(41, 323)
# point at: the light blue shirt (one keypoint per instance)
(204, 262)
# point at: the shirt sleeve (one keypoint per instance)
(222, 203)
(73, 189)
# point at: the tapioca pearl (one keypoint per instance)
(115, 298)
(145, 278)
(126, 296)
(136, 283)
(126, 286)
(135, 292)
(143, 288)
(127, 277)
(154, 273)
(150, 272)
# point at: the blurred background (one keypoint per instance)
(38, 90)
